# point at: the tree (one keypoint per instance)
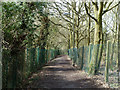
(19, 26)
(89, 24)
(118, 46)
(98, 36)
(74, 16)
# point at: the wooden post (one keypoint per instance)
(107, 63)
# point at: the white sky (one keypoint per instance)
(54, 0)
(89, 0)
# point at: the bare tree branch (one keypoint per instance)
(82, 39)
(96, 5)
(110, 8)
(58, 24)
(105, 3)
(62, 35)
(61, 14)
(109, 4)
(89, 13)
(101, 8)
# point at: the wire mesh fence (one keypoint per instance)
(18, 67)
(104, 56)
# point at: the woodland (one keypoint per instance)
(33, 30)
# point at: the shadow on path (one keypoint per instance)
(59, 73)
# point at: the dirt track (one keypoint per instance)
(60, 73)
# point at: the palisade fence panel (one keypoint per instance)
(71, 53)
(113, 65)
(101, 71)
(18, 67)
(83, 57)
(78, 57)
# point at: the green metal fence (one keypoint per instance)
(18, 67)
(108, 70)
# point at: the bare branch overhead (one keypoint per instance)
(89, 13)
(108, 9)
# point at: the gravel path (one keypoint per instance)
(59, 73)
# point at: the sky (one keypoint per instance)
(54, 0)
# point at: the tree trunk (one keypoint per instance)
(89, 24)
(97, 39)
(82, 59)
(112, 53)
(71, 40)
(68, 41)
(99, 58)
(93, 62)
(118, 18)
(89, 54)
(107, 63)
(96, 50)
(77, 41)
(98, 31)
(119, 57)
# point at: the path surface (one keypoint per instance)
(60, 73)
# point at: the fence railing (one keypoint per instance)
(108, 65)
(17, 68)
